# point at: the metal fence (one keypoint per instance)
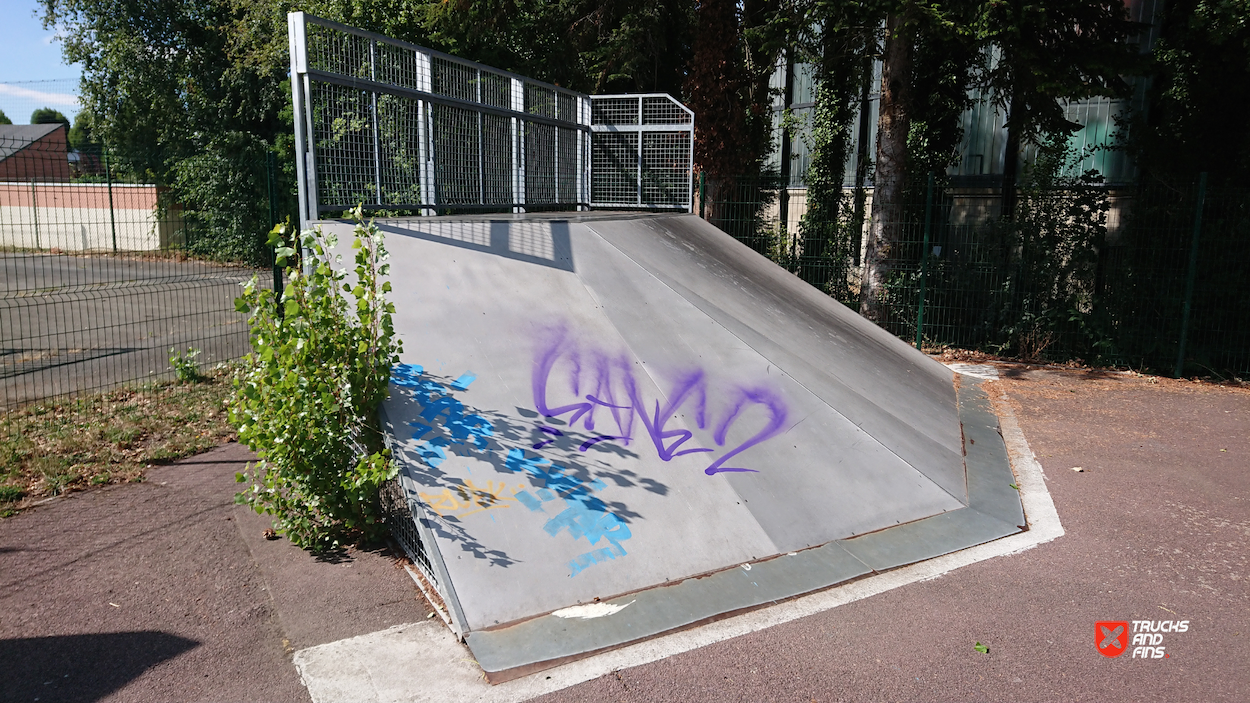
(1150, 277)
(96, 287)
(641, 152)
(399, 127)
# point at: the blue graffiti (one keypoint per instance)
(583, 515)
(438, 407)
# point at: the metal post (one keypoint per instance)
(271, 181)
(108, 176)
(303, 164)
(1192, 276)
(924, 258)
(580, 166)
(690, 165)
(518, 147)
(481, 142)
(425, 134)
(34, 209)
(639, 133)
(373, 109)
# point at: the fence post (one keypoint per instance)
(702, 192)
(1191, 277)
(924, 259)
(108, 176)
(34, 211)
(271, 183)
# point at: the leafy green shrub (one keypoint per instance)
(184, 366)
(308, 396)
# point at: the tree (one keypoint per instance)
(1198, 103)
(82, 134)
(842, 47)
(1047, 53)
(890, 165)
(4, 119)
(594, 46)
(177, 105)
(46, 115)
(1037, 55)
(714, 91)
(726, 87)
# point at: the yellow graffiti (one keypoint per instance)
(470, 498)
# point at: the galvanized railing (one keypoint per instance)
(642, 149)
(395, 126)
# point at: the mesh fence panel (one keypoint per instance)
(1082, 273)
(665, 170)
(433, 132)
(540, 164)
(663, 110)
(457, 169)
(614, 164)
(96, 287)
(399, 152)
(614, 111)
(641, 152)
(343, 138)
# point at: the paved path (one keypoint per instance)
(167, 591)
(1156, 529)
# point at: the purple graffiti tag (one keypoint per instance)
(777, 420)
(692, 383)
(594, 374)
(595, 440)
(551, 431)
(605, 383)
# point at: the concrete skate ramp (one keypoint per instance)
(595, 408)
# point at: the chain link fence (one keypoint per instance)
(98, 286)
(1148, 277)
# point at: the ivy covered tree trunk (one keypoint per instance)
(893, 126)
(714, 91)
(838, 79)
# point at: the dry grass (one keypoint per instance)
(51, 448)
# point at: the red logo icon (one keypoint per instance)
(1111, 637)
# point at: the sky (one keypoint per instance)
(32, 72)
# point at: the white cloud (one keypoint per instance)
(39, 96)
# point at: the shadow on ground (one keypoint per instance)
(82, 667)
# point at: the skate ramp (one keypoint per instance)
(611, 425)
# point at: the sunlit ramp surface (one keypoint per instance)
(613, 425)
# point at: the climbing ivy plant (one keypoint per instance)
(307, 399)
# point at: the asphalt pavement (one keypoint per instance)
(165, 590)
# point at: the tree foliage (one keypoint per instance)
(1198, 103)
(82, 135)
(307, 401)
(168, 95)
(47, 115)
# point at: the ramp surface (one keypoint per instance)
(597, 405)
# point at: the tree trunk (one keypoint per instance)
(891, 167)
(1011, 163)
(862, 164)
